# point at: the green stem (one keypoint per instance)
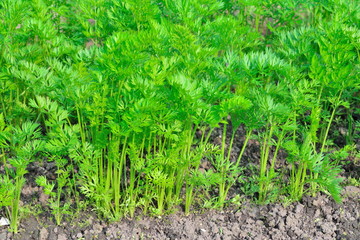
(15, 204)
(278, 144)
(223, 141)
(257, 22)
(247, 138)
(188, 198)
(264, 183)
(58, 214)
(330, 122)
(230, 145)
(82, 129)
(161, 197)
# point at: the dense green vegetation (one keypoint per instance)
(125, 97)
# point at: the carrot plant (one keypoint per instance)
(61, 138)
(228, 169)
(19, 145)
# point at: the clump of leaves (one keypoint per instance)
(19, 145)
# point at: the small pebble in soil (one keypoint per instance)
(62, 237)
(3, 235)
(44, 234)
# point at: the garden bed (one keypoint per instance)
(214, 119)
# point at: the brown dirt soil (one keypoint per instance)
(317, 218)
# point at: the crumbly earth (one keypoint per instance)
(317, 218)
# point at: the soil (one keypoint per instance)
(312, 218)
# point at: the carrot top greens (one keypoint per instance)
(153, 105)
